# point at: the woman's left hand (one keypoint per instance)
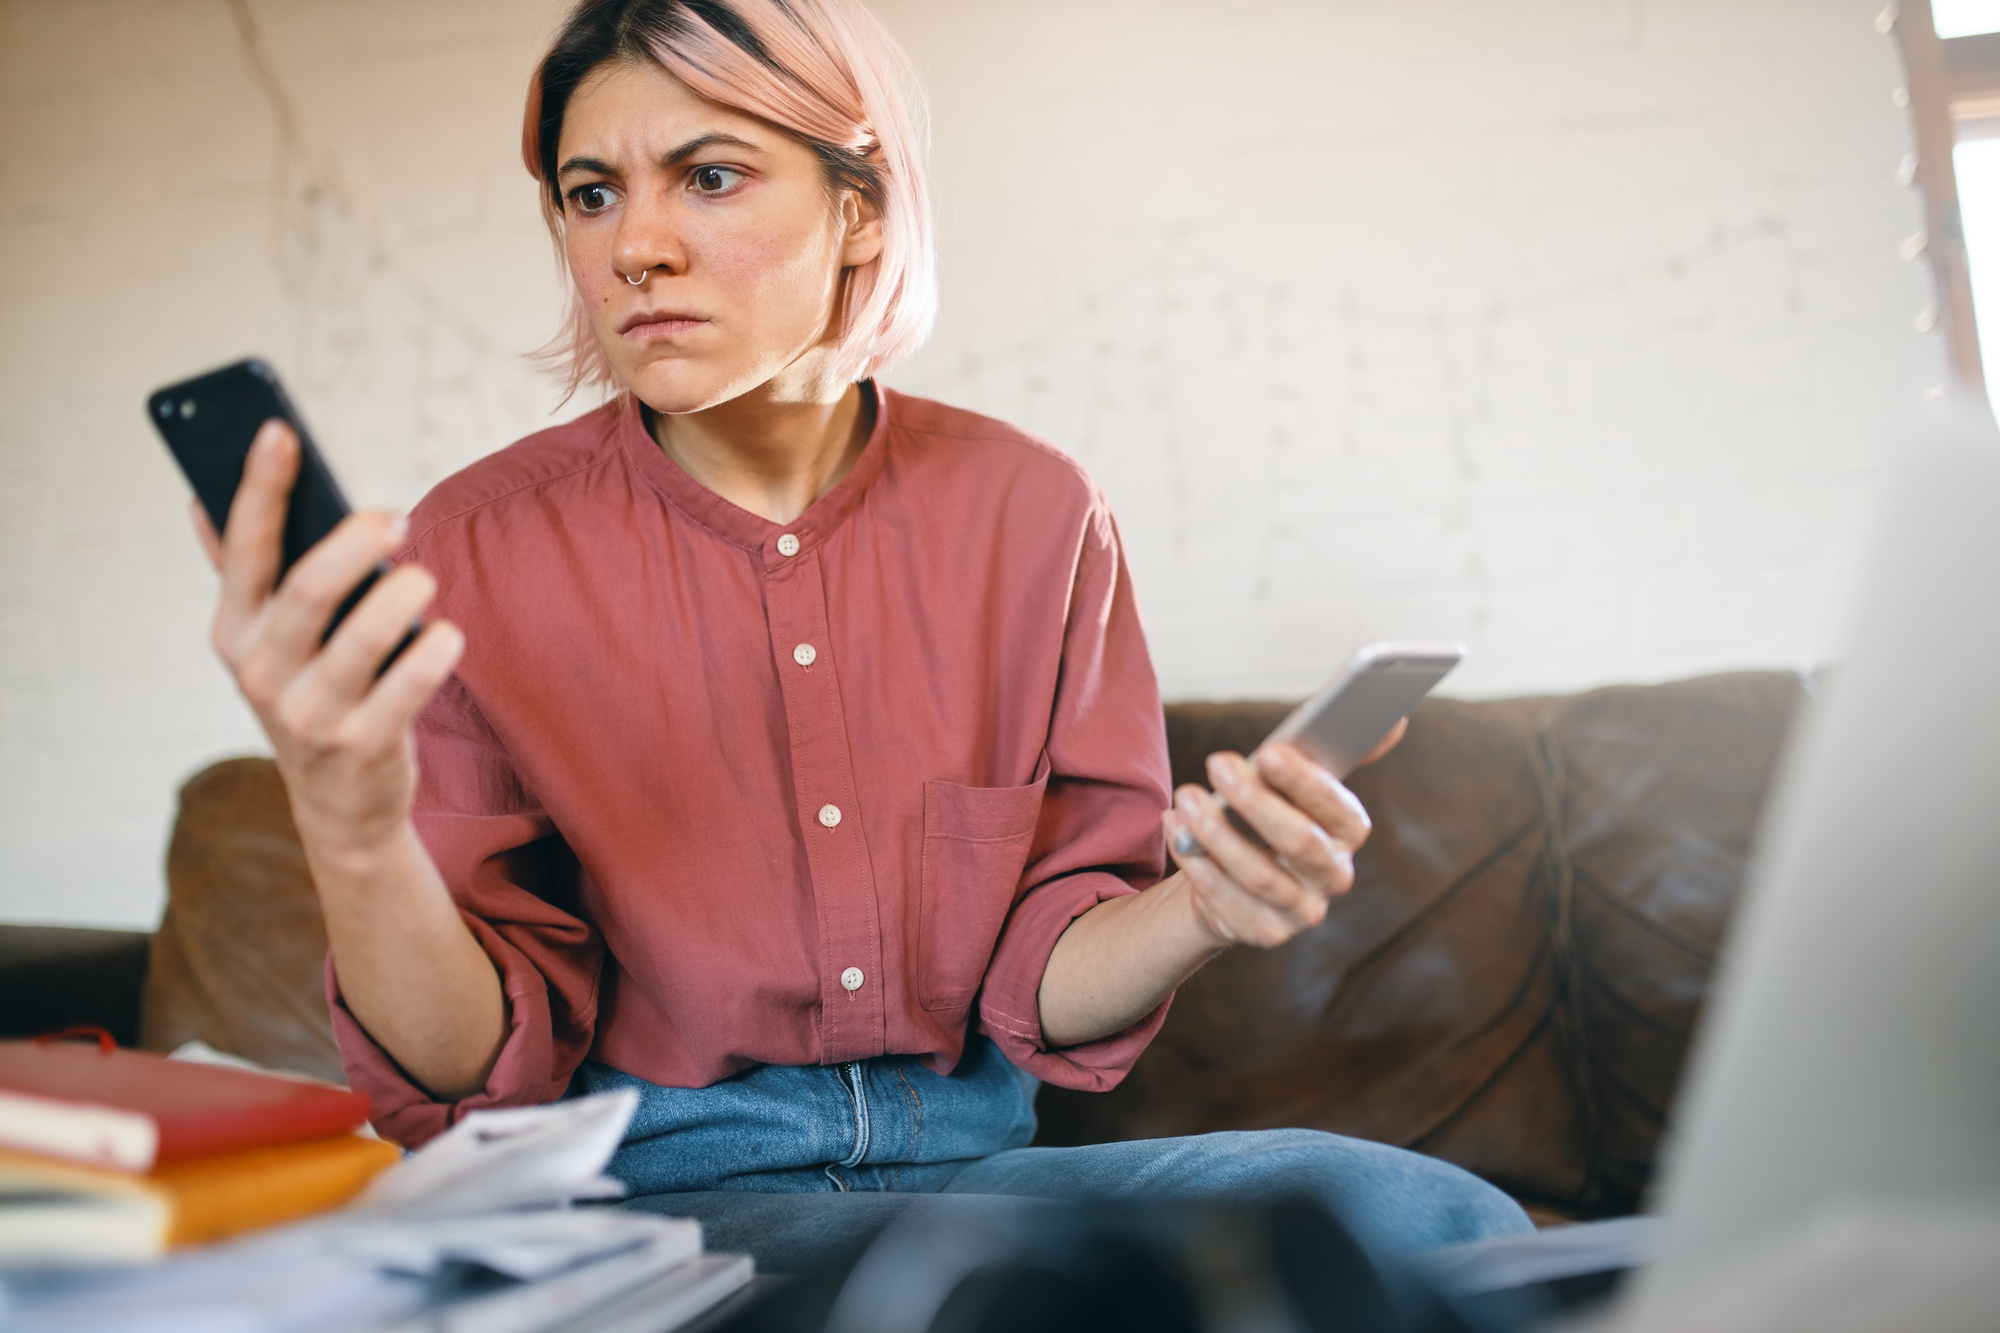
(1242, 894)
(1118, 960)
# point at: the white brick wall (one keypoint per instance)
(1573, 328)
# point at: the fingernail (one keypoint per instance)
(1184, 802)
(399, 528)
(1219, 771)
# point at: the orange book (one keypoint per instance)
(53, 1211)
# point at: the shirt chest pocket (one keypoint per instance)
(976, 844)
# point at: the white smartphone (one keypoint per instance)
(1350, 714)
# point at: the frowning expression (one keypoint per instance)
(729, 221)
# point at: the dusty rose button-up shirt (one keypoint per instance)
(714, 792)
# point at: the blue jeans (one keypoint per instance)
(875, 1137)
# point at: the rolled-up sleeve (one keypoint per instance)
(1098, 836)
(516, 885)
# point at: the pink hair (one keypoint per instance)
(825, 71)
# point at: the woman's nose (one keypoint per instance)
(647, 242)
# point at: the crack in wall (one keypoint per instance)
(312, 195)
(363, 316)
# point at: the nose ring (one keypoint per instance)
(639, 281)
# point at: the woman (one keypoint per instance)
(800, 764)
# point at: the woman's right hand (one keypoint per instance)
(409, 969)
(341, 733)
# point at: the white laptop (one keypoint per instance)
(1852, 1049)
(1850, 1055)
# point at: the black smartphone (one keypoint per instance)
(209, 423)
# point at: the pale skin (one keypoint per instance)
(730, 342)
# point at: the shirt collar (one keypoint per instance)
(739, 526)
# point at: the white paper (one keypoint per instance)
(528, 1246)
(1542, 1256)
(671, 1300)
(520, 1157)
(560, 1297)
(282, 1281)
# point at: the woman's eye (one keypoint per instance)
(591, 198)
(716, 180)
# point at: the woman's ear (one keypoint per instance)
(861, 222)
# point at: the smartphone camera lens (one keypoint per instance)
(187, 408)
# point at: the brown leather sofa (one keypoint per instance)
(1511, 985)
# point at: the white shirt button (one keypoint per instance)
(852, 978)
(804, 654)
(829, 815)
(788, 545)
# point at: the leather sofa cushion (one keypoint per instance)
(1661, 789)
(1512, 982)
(238, 960)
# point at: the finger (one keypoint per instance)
(204, 532)
(1239, 859)
(1388, 742)
(1302, 846)
(345, 668)
(253, 535)
(385, 714)
(1235, 915)
(1316, 791)
(298, 613)
(1182, 845)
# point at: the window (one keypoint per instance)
(1965, 18)
(1976, 163)
(1951, 51)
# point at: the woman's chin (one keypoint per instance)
(675, 388)
(678, 386)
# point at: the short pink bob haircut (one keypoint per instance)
(825, 71)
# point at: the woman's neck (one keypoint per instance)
(772, 457)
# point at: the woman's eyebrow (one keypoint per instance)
(699, 142)
(599, 167)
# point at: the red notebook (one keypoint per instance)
(132, 1110)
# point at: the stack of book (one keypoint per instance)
(476, 1232)
(111, 1155)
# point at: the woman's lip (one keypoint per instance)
(661, 326)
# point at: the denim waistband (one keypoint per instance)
(887, 1123)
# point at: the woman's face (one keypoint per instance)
(732, 224)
